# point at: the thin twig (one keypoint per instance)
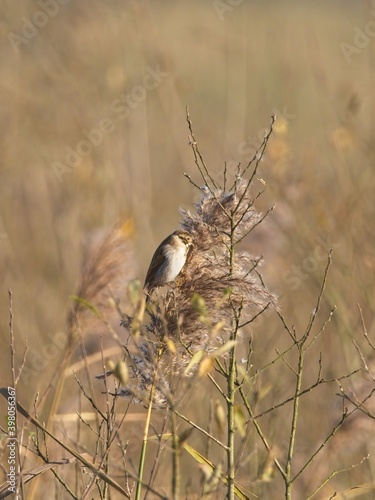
(260, 151)
(261, 219)
(333, 474)
(365, 334)
(293, 430)
(200, 429)
(191, 181)
(322, 445)
(144, 441)
(260, 432)
(319, 381)
(196, 151)
(319, 299)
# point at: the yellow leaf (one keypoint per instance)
(268, 469)
(281, 126)
(206, 365)
(225, 348)
(184, 436)
(264, 391)
(194, 360)
(138, 316)
(219, 415)
(242, 372)
(203, 460)
(240, 420)
(119, 370)
(85, 303)
(216, 329)
(170, 344)
(199, 304)
(134, 291)
(127, 227)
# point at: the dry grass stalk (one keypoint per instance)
(108, 267)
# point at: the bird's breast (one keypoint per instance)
(175, 260)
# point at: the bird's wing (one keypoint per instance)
(156, 262)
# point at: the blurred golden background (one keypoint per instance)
(93, 129)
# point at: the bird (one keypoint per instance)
(168, 260)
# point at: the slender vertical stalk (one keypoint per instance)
(175, 458)
(144, 444)
(230, 419)
(231, 385)
(293, 431)
(232, 245)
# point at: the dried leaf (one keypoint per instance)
(206, 365)
(170, 344)
(220, 416)
(195, 360)
(138, 315)
(86, 304)
(184, 436)
(203, 460)
(225, 348)
(119, 370)
(216, 329)
(199, 304)
(240, 420)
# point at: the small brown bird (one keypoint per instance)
(168, 260)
